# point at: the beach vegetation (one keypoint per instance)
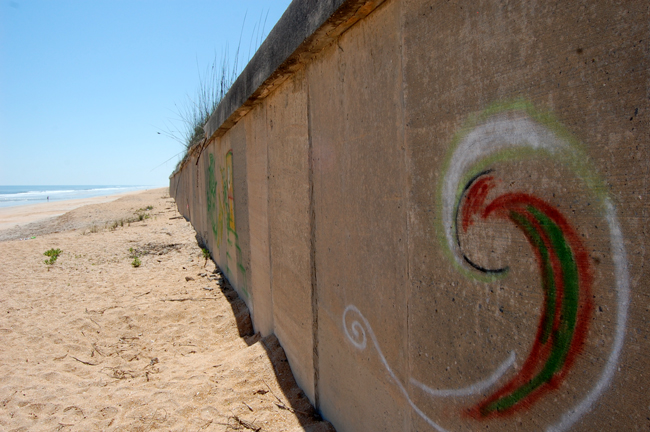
(213, 85)
(140, 214)
(53, 254)
(136, 258)
(195, 112)
(206, 255)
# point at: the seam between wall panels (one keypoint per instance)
(267, 140)
(407, 204)
(312, 255)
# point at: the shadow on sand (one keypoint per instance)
(293, 398)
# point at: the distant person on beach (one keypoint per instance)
(48, 199)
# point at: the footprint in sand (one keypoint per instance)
(107, 413)
(209, 413)
(41, 409)
(72, 415)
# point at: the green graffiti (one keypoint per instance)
(221, 214)
(559, 329)
(215, 222)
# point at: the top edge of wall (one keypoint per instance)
(305, 28)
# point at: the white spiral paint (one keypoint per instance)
(623, 297)
(497, 133)
(505, 132)
(471, 389)
(361, 344)
(358, 336)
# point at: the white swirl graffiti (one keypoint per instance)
(509, 132)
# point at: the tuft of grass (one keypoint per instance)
(136, 257)
(214, 83)
(195, 112)
(53, 254)
(206, 255)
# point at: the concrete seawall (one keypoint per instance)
(440, 209)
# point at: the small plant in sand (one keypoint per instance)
(136, 258)
(53, 254)
(206, 255)
(141, 215)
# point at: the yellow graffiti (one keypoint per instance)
(221, 214)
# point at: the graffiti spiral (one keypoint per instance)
(566, 282)
(472, 192)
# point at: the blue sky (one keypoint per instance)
(86, 85)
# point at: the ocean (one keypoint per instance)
(11, 196)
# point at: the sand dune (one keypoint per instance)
(94, 343)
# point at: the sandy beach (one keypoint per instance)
(92, 342)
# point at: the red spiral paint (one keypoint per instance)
(566, 280)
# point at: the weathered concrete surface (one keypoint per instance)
(360, 207)
(586, 65)
(289, 227)
(442, 213)
(258, 205)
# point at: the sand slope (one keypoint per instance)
(93, 343)
(15, 217)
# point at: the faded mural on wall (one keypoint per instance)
(479, 191)
(221, 215)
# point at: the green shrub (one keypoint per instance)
(53, 254)
(206, 255)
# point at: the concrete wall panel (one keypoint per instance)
(241, 258)
(258, 197)
(529, 107)
(289, 226)
(360, 208)
(220, 189)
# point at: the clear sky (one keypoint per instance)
(86, 85)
